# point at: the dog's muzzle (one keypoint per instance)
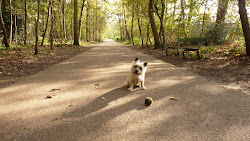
(137, 71)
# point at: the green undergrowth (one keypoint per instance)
(235, 49)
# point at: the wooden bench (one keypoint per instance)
(188, 44)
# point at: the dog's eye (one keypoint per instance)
(140, 68)
(135, 66)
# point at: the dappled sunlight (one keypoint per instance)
(90, 96)
(171, 81)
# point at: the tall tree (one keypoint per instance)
(182, 19)
(153, 26)
(125, 23)
(203, 19)
(120, 20)
(36, 28)
(76, 25)
(132, 26)
(96, 21)
(80, 19)
(87, 22)
(221, 13)
(245, 24)
(52, 28)
(161, 18)
(64, 24)
(25, 22)
(11, 21)
(139, 25)
(5, 39)
(47, 22)
(15, 25)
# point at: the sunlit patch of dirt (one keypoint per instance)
(18, 63)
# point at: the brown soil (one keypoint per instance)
(232, 72)
(20, 62)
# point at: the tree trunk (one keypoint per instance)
(71, 27)
(5, 39)
(126, 29)
(25, 22)
(52, 28)
(203, 20)
(245, 24)
(36, 28)
(121, 37)
(132, 26)
(11, 21)
(139, 25)
(96, 22)
(99, 35)
(64, 27)
(87, 23)
(123, 28)
(153, 26)
(47, 22)
(90, 36)
(162, 23)
(80, 19)
(15, 25)
(174, 8)
(183, 17)
(147, 34)
(93, 23)
(221, 12)
(76, 25)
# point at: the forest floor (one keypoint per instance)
(17, 63)
(231, 71)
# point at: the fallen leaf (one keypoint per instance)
(49, 97)
(53, 90)
(174, 98)
(71, 105)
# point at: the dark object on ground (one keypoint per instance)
(53, 90)
(189, 45)
(148, 101)
(174, 98)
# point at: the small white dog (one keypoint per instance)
(137, 75)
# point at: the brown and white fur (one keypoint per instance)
(136, 77)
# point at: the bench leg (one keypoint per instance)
(166, 52)
(183, 54)
(178, 53)
(198, 55)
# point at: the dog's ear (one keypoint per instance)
(136, 59)
(145, 64)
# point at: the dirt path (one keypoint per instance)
(90, 102)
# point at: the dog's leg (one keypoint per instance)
(130, 86)
(142, 85)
